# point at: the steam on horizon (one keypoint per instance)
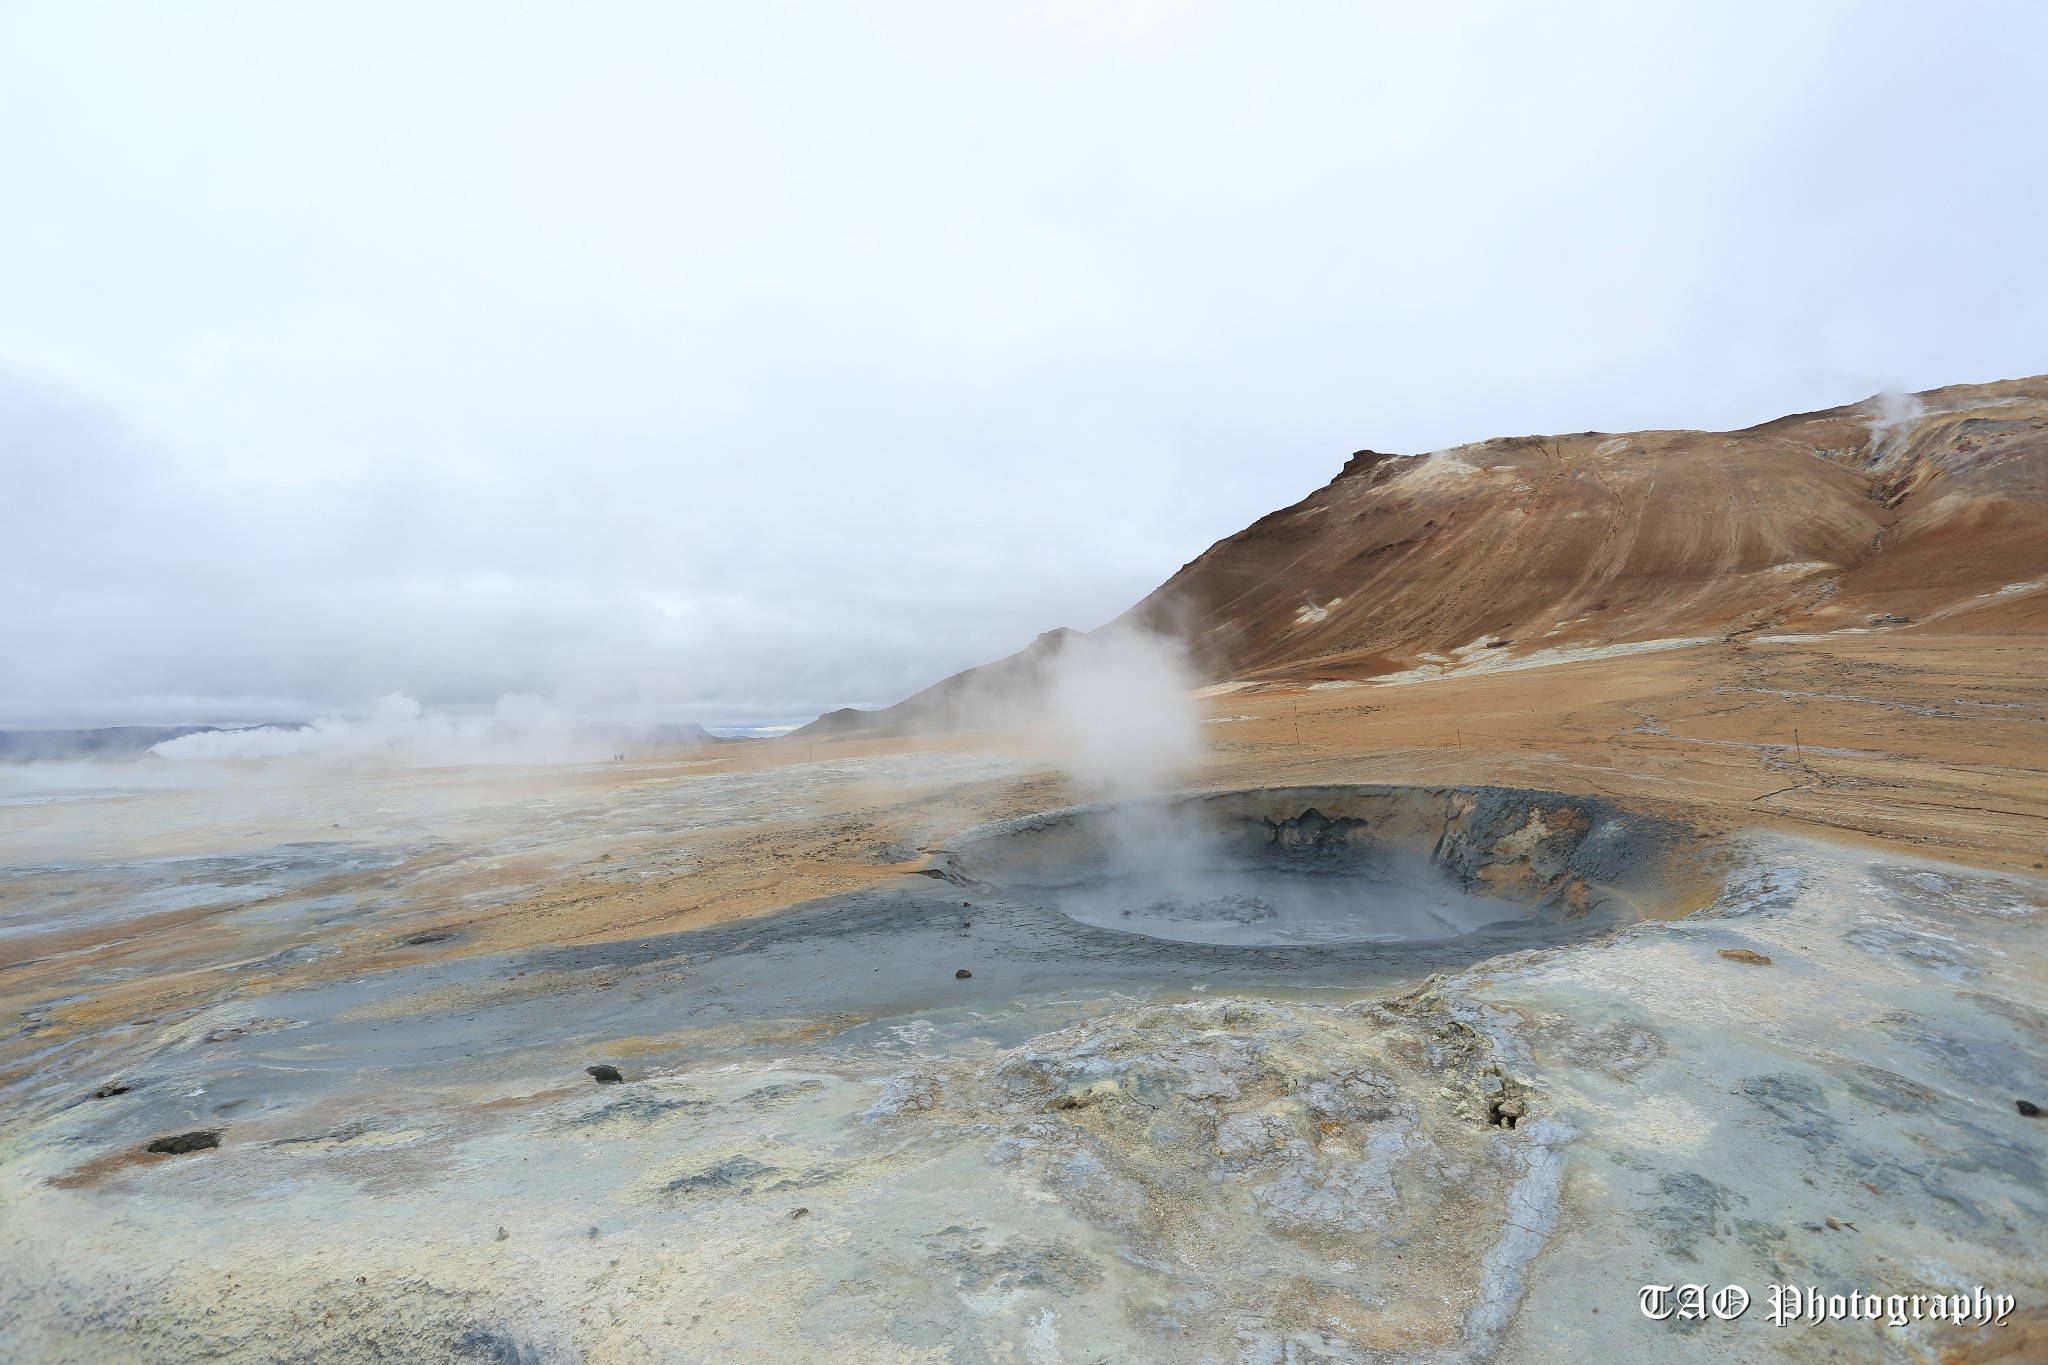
(696, 364)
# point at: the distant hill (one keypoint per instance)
(135, 741)
(991, 695)
(114, 741)
(1903, 511)
(684, 735)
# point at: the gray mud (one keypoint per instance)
(1264, 909)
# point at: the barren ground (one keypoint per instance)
(381, 989)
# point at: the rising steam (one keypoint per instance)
(1120, 703)
(400, 733)
(1893, 416)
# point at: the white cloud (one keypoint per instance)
(738, 362)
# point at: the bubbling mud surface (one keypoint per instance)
(1273, 908)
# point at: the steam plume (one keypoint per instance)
(399, 733)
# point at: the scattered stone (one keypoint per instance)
(1507, 1099)
(774, 1094)
(604, 1073)
(2028, 1109)
(1891, 619)
(593, 1232)
(912, 1093)
(736, 1174)
(437, 936)
(503, 1235)
(962, 974)
(1088, 1095)
(1498, 644)
(799, 1213)
(1745, 955)
(181, 1143)
(110, 1089)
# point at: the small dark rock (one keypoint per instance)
(963, 974)
(110, 1089)
(1891, 619)
(417, 939)
(798, 1213)
(604, 1073)
(2027, 1108)
(1498, 644)
(181, 1143)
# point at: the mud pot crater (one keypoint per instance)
(1343, 864)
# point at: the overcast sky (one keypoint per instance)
(736, 361)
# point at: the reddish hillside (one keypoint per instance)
(1933, 508)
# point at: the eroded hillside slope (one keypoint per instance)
(1928, 508)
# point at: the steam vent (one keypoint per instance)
(1508, 881)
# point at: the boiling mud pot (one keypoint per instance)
(1306, 865)
(1259, 909)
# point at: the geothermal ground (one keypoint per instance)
(1740, 977)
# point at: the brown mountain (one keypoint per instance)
(1906, 509)
(1897, 512)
